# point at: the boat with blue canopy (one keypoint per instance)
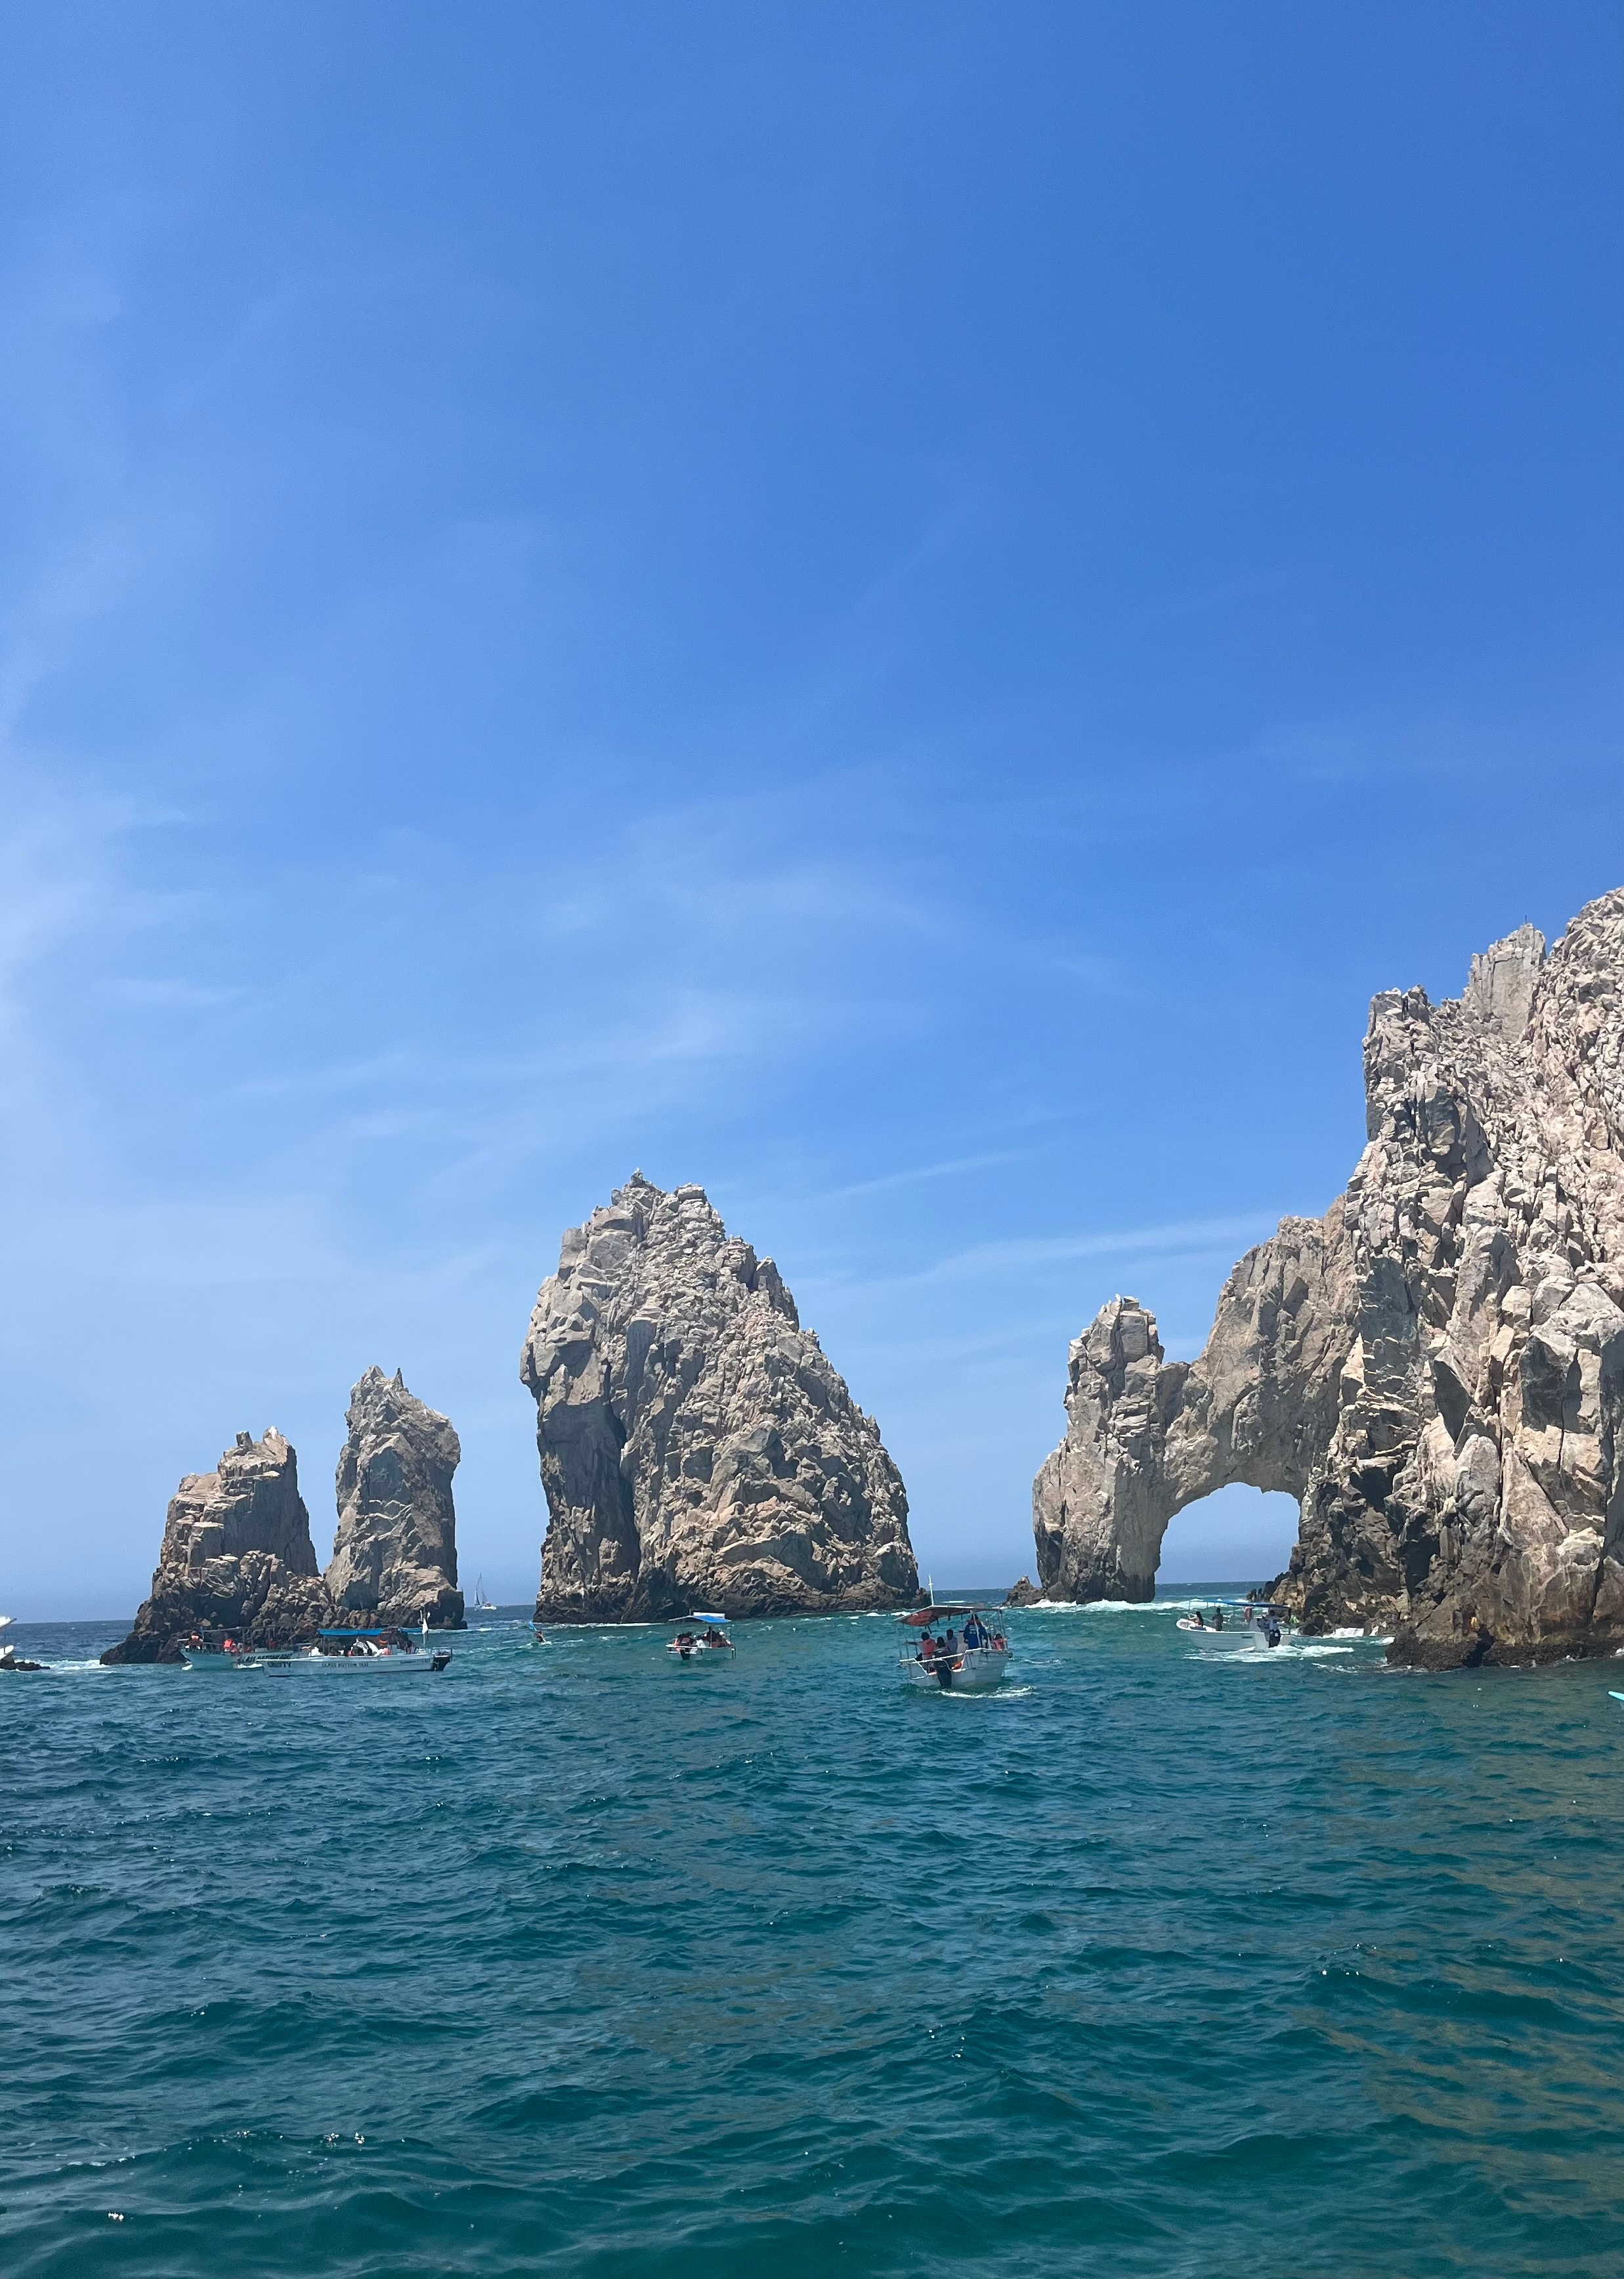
(384, 1653)
(701, 1644)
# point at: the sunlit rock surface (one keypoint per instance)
(697, 1449)
(236, 1556)
(394, 1555)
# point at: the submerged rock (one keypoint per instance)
(394, 1555)
(236, 1556)
(697, 1448)
(1435, 1370)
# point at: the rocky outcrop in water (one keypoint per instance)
(394, 1555)
(236, 1556)
(1435, 1370)
(697, 1448)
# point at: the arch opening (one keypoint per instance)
(1236, 1534)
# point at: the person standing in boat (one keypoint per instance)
(975, 1635)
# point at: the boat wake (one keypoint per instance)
(1249, 1656)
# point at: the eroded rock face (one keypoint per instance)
(236, 1556)
(394, 1555)
(697, 1448)
(1436, 1368)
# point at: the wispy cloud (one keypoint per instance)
(919, 1173)
(169, 995)
(990, 1261)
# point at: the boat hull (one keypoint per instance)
(207, 1663)
(699, 1657)
(976, 1671)
(1232, 1634)
(379, 1666)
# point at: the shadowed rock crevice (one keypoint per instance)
(1435, 1370)
(697, 1448)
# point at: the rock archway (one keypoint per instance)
(1435, 1368)
(1145, 1436)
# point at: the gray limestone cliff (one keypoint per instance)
(394, 1555)
(1435, 1370)
(236, 1555)
(697, 1449)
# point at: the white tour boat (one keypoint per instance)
(704, 1647)
(968, 1661)
(1238, 1621)
(357, 1653)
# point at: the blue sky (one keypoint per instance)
(899, 610)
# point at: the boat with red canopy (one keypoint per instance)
(960, 1651)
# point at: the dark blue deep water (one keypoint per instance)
(1163, 1962)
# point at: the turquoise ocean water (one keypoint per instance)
(1164, 1960)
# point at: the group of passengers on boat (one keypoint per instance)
(977, 1638)
(1259, 1615)
(708, 1637)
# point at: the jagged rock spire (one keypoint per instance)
(697, 1448)
(394, 1555)
(236, 1556)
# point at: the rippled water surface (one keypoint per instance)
(1167, 1959)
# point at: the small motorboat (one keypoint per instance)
(358, 1653)
(972, 1662)
(210, 1652)
(704, 1647)
(1223, 1620)
(1238, 1621)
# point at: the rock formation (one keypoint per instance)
(394, 1555)
(1435, 1370)
(236, 1556)
(697, 1448)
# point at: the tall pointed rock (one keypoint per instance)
(394, 1555)
(697, 1448)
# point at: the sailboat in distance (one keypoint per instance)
(481, 1604)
